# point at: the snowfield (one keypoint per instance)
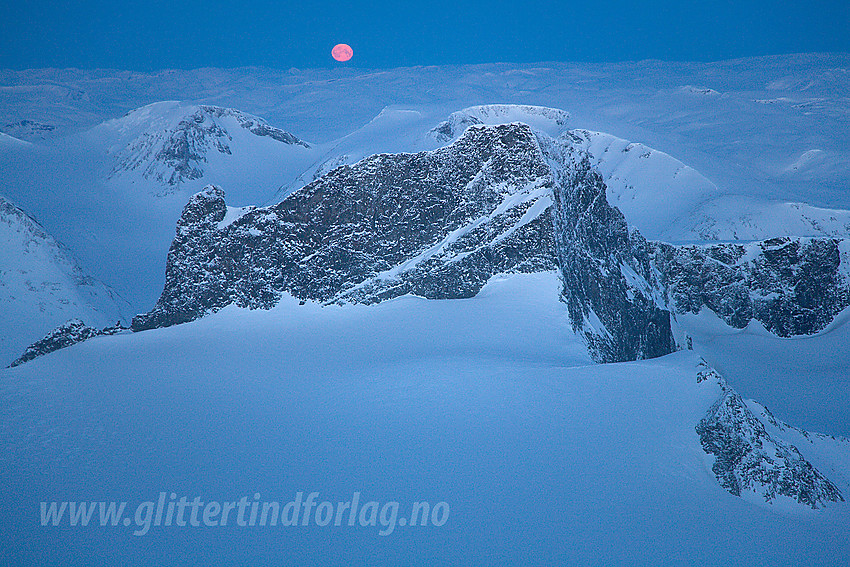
(489, 404)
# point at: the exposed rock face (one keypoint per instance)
(500, 199)
(612, 291)
(747, 458)
(435, 224)
(791, 286)
(70, 333)
(438, 224)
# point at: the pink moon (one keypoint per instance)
(342, 52)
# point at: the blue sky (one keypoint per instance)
(158, 34)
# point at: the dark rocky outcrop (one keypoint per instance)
(793, 286)
(747, 458)
(438, 224)
(500, 199)
(614, 297)
(69, 333)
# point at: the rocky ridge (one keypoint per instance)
(69, 333)
(438, 224)
(500, 199)
(793, 286)
(748, 460)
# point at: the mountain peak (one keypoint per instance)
(42, 284)
(172, 143)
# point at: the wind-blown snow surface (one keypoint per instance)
(489, 404)
(7, 140)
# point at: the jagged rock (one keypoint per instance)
(747, 458)
(613, 294)
(793, 286)
(500, 199)
(69, 333)
(438, 224)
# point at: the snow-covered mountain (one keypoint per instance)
(413, 306)
(553, 121)
(499, 199)
(41, 286)
(740, 123)
(506, 201)
(665, 198)
(146, 164)
(170, 144)
(739, 217)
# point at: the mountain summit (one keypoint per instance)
(500, 199)
(171, 144)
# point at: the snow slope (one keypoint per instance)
(551, 121)
(652, 189)
(41, 286)
(736, 217)
(9, 141)
(488, 404)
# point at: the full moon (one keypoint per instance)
(342, 52)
